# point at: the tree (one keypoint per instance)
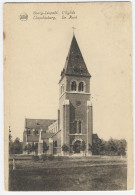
(45, 147)
(17, 146)
(96, 146)
(65, 148)
(112, 146)
(11, 147)
(122, 144)
(28, 148)
(83, 146)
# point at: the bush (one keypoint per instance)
(28, 148)
(35, 158)
(65, 148)
(45, 147)
(44, 157)
(83, 146)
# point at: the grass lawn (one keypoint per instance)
(70, 174)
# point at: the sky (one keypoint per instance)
(35, 51)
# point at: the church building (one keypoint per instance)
(73, 127)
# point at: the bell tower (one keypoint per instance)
(75, 109)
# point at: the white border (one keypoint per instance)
(2, 93)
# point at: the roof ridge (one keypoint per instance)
(55, 133)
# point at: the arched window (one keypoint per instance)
(81, 86)
(80, 127)
(73, 86)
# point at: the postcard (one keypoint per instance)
(68, 96)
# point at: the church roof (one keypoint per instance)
(75, 65)
(46, 135)
(38, 123)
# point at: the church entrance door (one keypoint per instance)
(77, 146)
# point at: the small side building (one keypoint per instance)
(40, 131)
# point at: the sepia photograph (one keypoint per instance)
(68, 96)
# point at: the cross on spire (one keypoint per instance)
(73, 29)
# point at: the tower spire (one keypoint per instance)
(75, 65)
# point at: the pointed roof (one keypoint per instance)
(75, 65)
